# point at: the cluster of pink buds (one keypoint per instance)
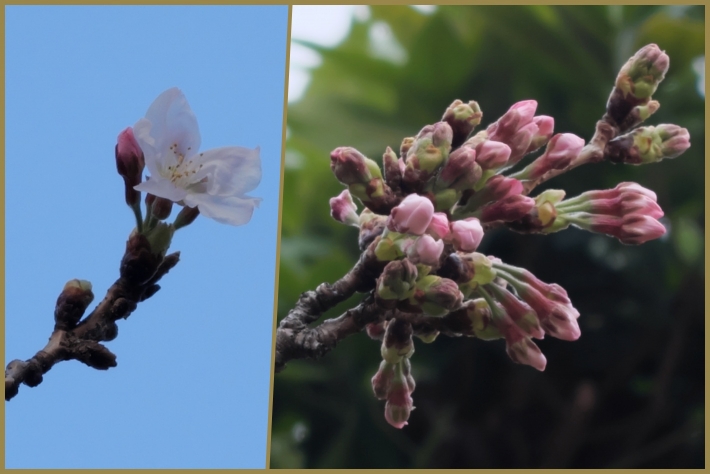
(426, 216)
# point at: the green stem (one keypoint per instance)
(139, 217)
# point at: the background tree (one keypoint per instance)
(630, 392)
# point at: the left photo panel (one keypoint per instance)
(142, 185)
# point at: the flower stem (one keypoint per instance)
(139, 216)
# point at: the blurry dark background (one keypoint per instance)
(630, 392)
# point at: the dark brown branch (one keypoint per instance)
(139, 273)
(295, 340)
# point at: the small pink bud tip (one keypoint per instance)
(398, 407)
(492, 154)
(545, 125)
(426, 250)
(439, 225)
(526, 352)
(519, 115)
(638, 229)
(501, 187)
(563, 148)
(413, 215)
(675, 140)
(349, 166)
(460, 170)
(466, 234)
(509, 209)
(128, 152)
(343, 209)
(129, 164)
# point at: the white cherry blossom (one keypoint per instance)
(215, 181)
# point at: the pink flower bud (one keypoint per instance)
(397, 280)
(638, 228)
(343, 209)
(626, 203)
(399, 405)
(520, 142)
(643, 72)
(466, 234)
(161, 208)
(632, 229)
(524, 351)
(509, 209)
(558, 318)
(426, 251)
(500, 187)
(523, 315)
(382, 380)
(675, 140)
(621, 188)
(411, 216)
(349, 166)
(561, 150)
(520, 348)
(492, 154)
(519, 115)
(545, 128)
(438, 295)
(460, 171)
(439, 225)
(130, 164)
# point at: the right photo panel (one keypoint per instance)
(494, 215)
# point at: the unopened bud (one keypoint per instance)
(412, 215)
(392, 169)
(460, 170)
(545, 129)
(397, 342)
(511, 208)
(130, 164)
(491, 154)
(399, 400)
(519, 115)
(405, 146)
(426, 251)
(642, 73)
(522, 314)
(479, 313)
(371, 225)
(352, 167)
(439, 225)
(438, 295)
(462, 118)
(344, 210)
(71, 304)
(466, 234)
(161, 208)
(648, 144)
(560, 151)
(186, 216)
(397, 280)
(382, 380)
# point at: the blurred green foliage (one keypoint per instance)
(630, 392)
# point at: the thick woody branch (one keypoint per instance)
(139, 273)
(295, 340)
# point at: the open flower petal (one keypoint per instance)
(230, 170)
(231, 210)
(162, 188)
(172, 121)
(215, 181)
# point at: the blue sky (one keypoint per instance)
(191, 387)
